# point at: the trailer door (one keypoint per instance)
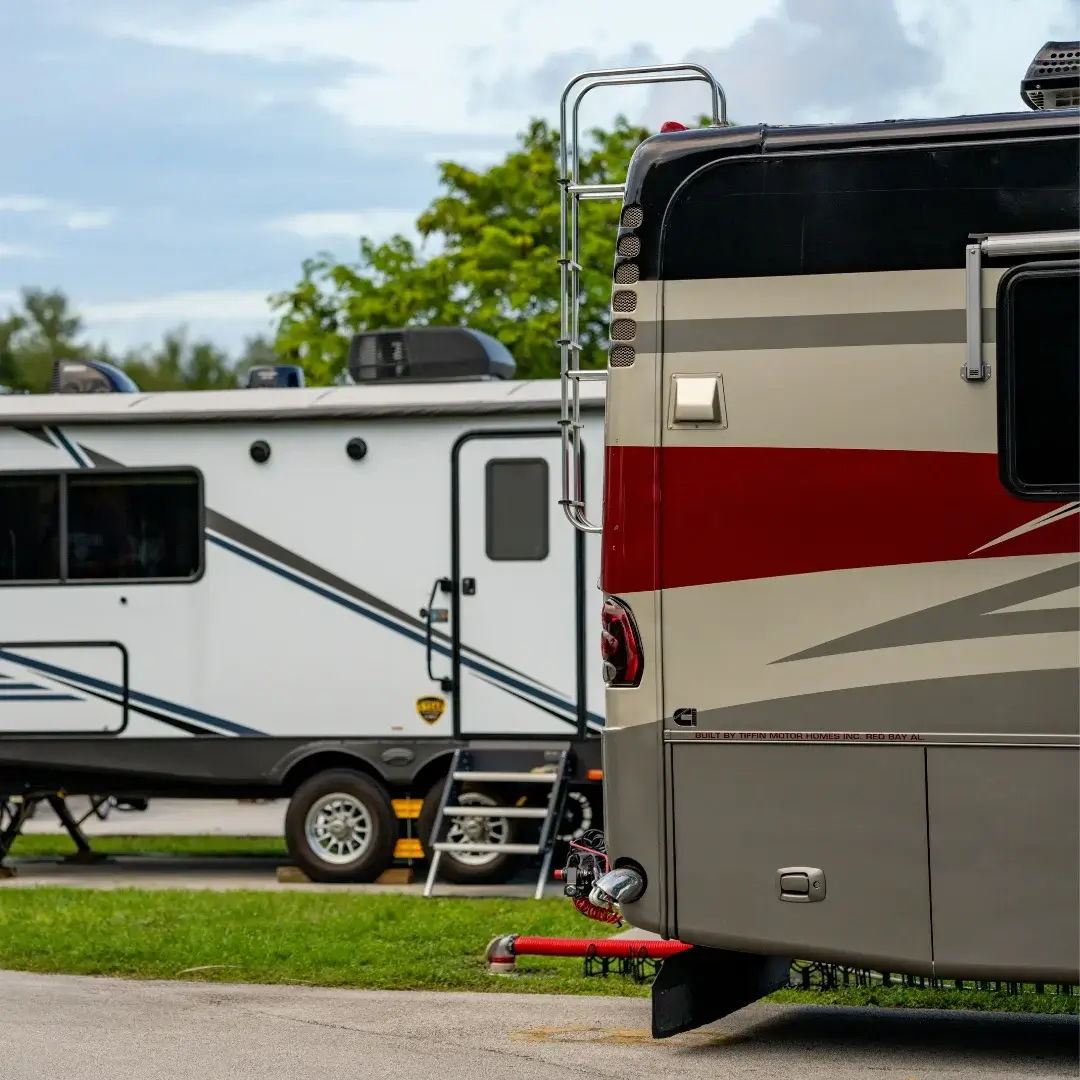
(517, 622)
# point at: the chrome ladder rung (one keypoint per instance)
(507, 777)
(486, 848)
(496, 811)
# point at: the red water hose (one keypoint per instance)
(615, 947)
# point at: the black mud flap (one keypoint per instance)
(701, 985)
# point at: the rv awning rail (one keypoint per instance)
(1004, 245)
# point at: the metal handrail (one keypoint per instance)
(571, 193)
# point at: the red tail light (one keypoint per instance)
(620, 645)
(671, 125)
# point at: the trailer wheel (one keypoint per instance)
(473, 868)
(340, 827)
(583, 812)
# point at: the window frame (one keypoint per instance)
(151, 471)
(488, 517)
(1006, 365)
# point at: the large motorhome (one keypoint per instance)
(840, 535)
(315, 593)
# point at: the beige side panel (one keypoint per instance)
(822, 294)
(900, 397)
(724, 642)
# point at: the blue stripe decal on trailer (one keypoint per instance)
(38, 697)
(145, 699)
(494, 675)
(404, 631)
(62, 439)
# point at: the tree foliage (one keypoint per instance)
(44, 328)
(488, 260)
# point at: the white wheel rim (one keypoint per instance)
(485, 830)
(338, 828)
(586, 811)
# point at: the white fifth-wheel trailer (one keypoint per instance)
(318, 593)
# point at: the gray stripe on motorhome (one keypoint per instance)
(966, 619)
(1017, 703)
(939, 327)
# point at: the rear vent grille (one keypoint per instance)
(621, 356)
(626, 273)
(623, 330)
(624, 300)
(630, 246)
(631, 217)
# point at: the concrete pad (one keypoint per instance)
(172, 817)
(109, 1029)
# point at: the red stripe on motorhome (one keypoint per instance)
(734, 513)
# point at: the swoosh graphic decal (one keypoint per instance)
(969, 618)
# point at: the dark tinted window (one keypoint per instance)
(29, 528)
(842, 213)
(1039, 355)
(517, 509)
(133, 526)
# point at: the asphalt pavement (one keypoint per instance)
(106, 1029)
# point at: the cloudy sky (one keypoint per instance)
(169, 161)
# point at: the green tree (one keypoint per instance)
(179, 363)
(494, 237)
(46, 329)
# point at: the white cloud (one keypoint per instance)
(377, 225)
(24, 204)
(68, 215)
(182, 307)
(476, 158)
(399, 66)
(18, 251)
(415, 66)
(89, 219)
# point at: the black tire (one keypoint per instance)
(365, 802)
(584, 811)
(495, 870)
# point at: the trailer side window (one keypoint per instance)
(129, 526)
(1038, 354)
(516, 509)
(30, 528)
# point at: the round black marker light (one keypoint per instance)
(356, 449)
(260, 451)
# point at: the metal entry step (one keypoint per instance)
(521, 765)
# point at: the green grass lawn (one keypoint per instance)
(393, 942)
(50, 846)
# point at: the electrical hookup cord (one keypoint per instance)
(504, 951)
